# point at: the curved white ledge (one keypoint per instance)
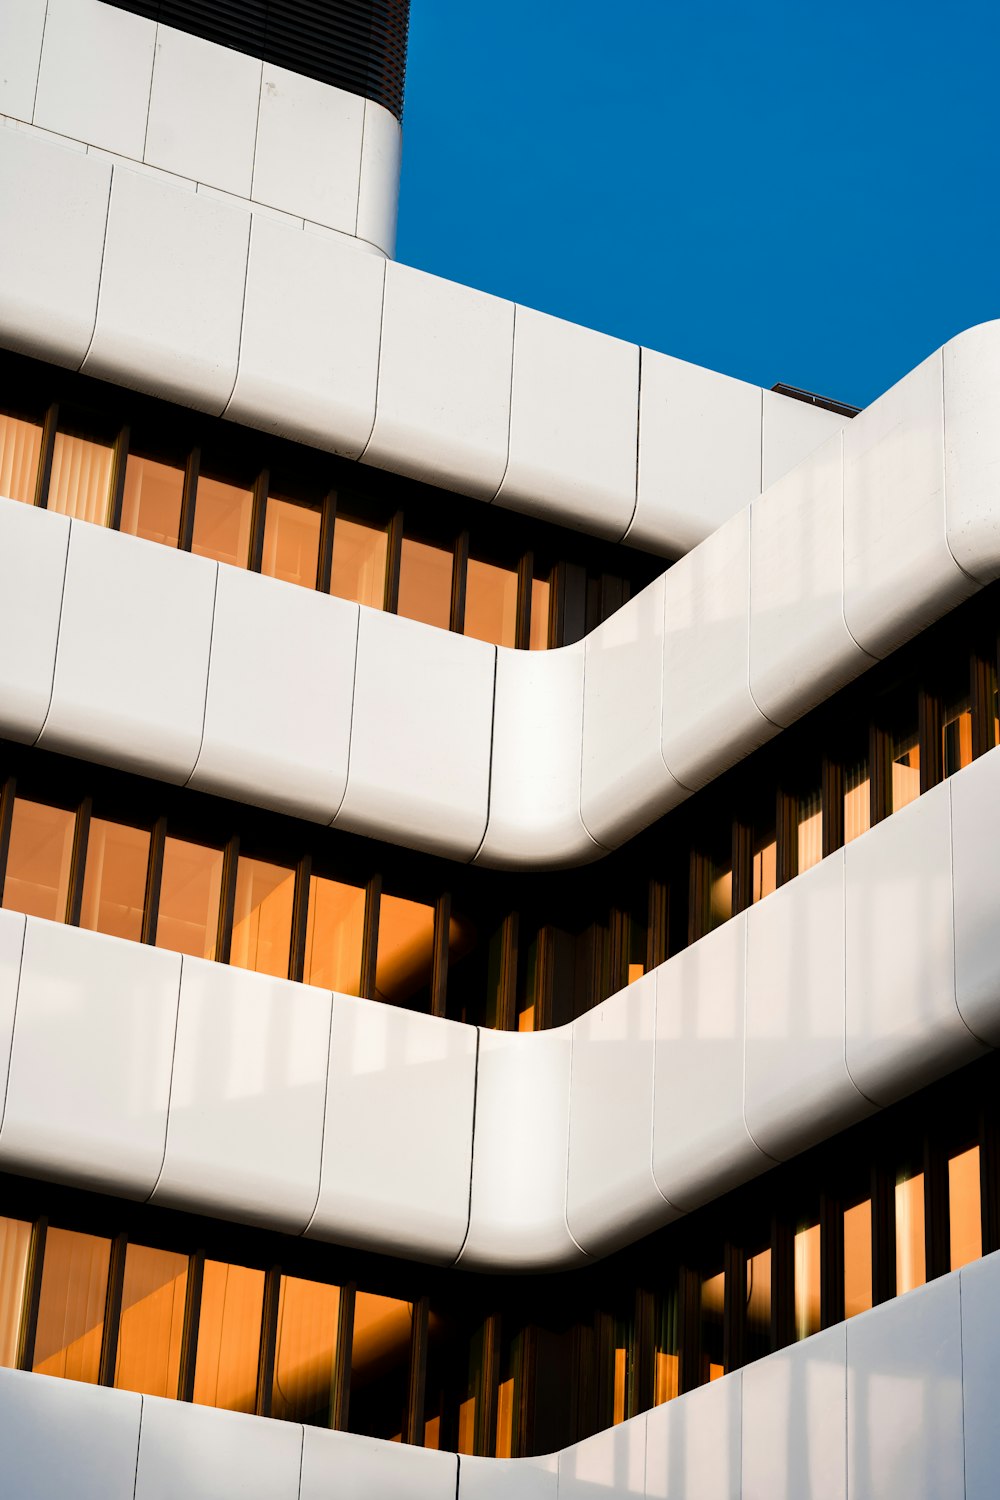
(208, 300)
(516, 759)
(853, 985)
(900, 1400)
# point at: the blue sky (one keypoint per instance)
(782, 191)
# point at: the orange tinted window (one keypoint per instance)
(858, 1258)
(20, 447)
(807, 1255)
(810, 831)
(152, 1321)
(964, 1209)
(425, 583)
(905, 771)
(114, 881)
(262, 917)
(911, 1268)
(334, 933)
(291, 542)
(71, 1307)
(38, 860)
(380, 1360)
(15, 1241)
(539, 627)
(80, 482)
(405, 949)
(490, 603)
(151, 501)
(308, 1313)
(222, 514)
(857, 800)
(359, 559)
(190, 888)
(225, 1372)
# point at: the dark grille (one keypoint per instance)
(358, 45)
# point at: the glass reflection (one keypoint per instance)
(151, 500)
(807, 1308)
(71, 1307)
(911, 1267)
(39, 859)
(405, 949)
(262, 917)
(20, 449)
(425, 583)
(114, 881)
(222, 517)
(965, 1225)
(187, 919)
(490, 602)
(380, 1364)
(335, 929)
(232, 1301)
(308, 1314)
(857, 800)
(360, 551)
(80, 482)
(154, 1290)
(15, 1242)
(858, 1258)
(538, 632)
(291, 541)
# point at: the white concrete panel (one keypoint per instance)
(21, 25)
(693, 1444)
(612, 1462)
(171, 303)
(795, 1421)
(424, 784)
(701, 1146)
(93, 82)
(203, 1453)
(709, 717)
(972, 449)
(50, 269)
(245, 1132)
(904, 1397)
(508, 1478)
(203, 111)
(899, 574)
(535, 770)
(273, 737)
(801, 651)
(11, 944)
(798, 1089)
(980, 1298)
(975, 806)
(518, 1215)
(611, 1198)
(903, 1025)
(699, 453)
(132, 661)
(443, 383)
(308, 158)
(33, 547)
(625, 783)
(363, 1468)
(91, 1059)
(791, 430)
(573, 426)
(61, 1437)
(385, 1187)
(378, 200)
(309, 351)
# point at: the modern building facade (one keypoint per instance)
(498, 841)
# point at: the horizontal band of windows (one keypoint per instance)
(155, 471)
(357, 45)
(170, 1305)
(155, 864)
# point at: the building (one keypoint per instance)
(497, 856)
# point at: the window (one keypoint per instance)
(291, 541)
(425, 583)
(807, 1305)
(666, 1360)
(965, 1226)
(538, 634)
(405, 950)
(335, 929)
(232, 1302)
(114, 882)
(765, 864)
(713, 1299)
(222, 517)
(187, 918)
(80, 481)
(70, 1327)
(151, 500)
(858, 1258)
(20, 450)
(308, 1316)
(905, 780)
(857, 799)
(809, 840)
(491, 602)
(380, 1365)
(39, 860)
(758, 1304)
(151, 1329)
(911, 1267)
(956, 734)
(360, 552)
(15, 1242)
(262, 917)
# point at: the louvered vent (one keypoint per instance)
(358, 45)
